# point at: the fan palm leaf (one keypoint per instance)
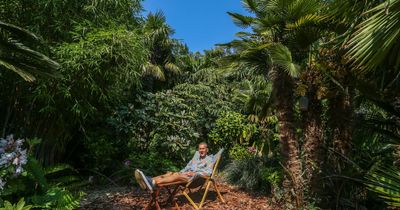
(385, 181)
(281, 56)
(256, 95)
(376, 40)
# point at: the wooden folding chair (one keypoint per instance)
(200, 181)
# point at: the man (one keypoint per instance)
(201, 164)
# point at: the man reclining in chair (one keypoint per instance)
(201, 164)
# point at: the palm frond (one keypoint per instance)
(376, 40)
(256, 95)
(241, 20)
(281, 56)
(243, 34)
(45, 61)
(300, 8)
(21, 59)
(155, 71)
(22, 73)
(172, 68)
(18, 31)
(385, 181)
(252, 6)
(309, 19)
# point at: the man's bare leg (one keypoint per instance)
(170, 177)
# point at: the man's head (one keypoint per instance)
(203, 149)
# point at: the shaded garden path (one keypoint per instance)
(122, 198)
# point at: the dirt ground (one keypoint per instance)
(121, 198)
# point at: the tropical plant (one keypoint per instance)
(273, 48)
(52, 187)
(161, 63)
(17, 56)
(380, 30)
(252, 174)
(168, 123)
(18, 206)
(232, 128)
(385, 181)
(63, 21)
(45, 188)
(256, 96)
(89, 87)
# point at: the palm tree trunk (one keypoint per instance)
(313, 133)
(313, 143)
(341, 118)
(283, 95)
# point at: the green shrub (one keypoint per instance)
(169, 123)
(272, 175)
(231, 128)
(239, 152)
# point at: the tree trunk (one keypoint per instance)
(341, 117)
(313, 142)
(313, 133)
(283, 95)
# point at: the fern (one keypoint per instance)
(19, 206)
(57, 198)
(46, 188)
(36, 173)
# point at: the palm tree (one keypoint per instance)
(347, 60)
(16, 56)
(367, 41)
(161, 59)
(280, 35)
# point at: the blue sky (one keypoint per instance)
(199, 23)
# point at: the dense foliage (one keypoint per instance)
(21, 175)
(306, 101)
